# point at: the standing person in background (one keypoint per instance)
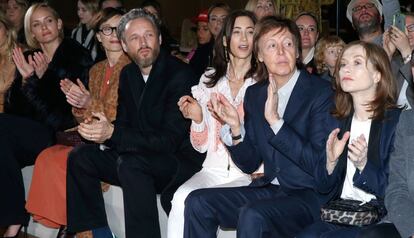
(46, 199)
(36, 107)
(84, 33)
(15, 14)
(234, 66)
(261, 8)
(203, 57)
(7, 66)
(326, 54)
(309, 33)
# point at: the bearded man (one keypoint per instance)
(147, 150)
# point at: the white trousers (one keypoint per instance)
(206, 178)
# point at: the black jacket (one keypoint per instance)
(41, 99)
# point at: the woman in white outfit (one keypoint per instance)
(233, 70)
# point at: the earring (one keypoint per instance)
(226, 54)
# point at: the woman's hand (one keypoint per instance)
(40, 63)
(76, 95)
(25, 68)
(224, 112)
(190, 109)
(334, 148)
(97, 130)
(358, 151)
(271, 105)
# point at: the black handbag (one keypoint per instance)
(353, 212)
(69, 138)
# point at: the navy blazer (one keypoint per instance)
(374, 177)
(292, 154)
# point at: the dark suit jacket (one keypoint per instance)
(402, 72)
(148, 119)
(374, 178)
(291, 154)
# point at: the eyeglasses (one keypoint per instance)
(366, 6)
(309, 28)
(334, 51)
(108, 30)
(410, 28)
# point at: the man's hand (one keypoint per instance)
(334, 148)
(271, 105)
(96, 130)
(400, 40)
(190, 109)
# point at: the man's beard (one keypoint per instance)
(144, 62)
(368, 27)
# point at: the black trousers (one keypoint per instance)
(21, 140)
(140, 176)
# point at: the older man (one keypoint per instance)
(286, 123)
(147, 150)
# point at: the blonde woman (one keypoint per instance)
(262, 8)
(7, 67)
(15, 14)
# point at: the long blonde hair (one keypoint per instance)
(7, 48)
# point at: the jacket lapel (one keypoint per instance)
(298, 96)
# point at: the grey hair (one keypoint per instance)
(135, 14)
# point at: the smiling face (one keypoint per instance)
(142, 42)
(110, 42)
(278, 52)
(308, 31)
(357, 74)
(44, 26)
(241, 42)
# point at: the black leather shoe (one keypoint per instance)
(63, 233)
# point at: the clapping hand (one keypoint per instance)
(25, 68)
(271, 105)
(334, 148)
(224, 111)
(40, 63)
(76, 94)
(97, 130)
(190, 109)
(358, 152)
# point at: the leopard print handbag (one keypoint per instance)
(352, 212)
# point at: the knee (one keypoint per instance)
(77, 158)
(250, 215)
(197, 202)
(180, 195)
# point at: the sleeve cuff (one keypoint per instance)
(198, 127)
(225, 134)
(277, 126)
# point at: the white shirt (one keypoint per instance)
(402, 98)
(309, 57)
(145, 77)
(349, 191)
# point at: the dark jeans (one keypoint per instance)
(141, 178)
(21, 140)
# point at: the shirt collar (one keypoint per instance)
(288, 87)
(309, 57)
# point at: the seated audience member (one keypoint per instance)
(154, 7)
(355, 166)
(261, 8)
(202, 59)
(366, 18)
(326, 54)
(7, 67)
(38, 105)
(146, 150)
(118, 4)
(47, 195)
(15, 14)
(285, 125)
(309, 33)
(232, 74)
(84, 33)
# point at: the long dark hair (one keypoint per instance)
(221, 56)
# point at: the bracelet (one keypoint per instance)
(238, 137)
(407, 58)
